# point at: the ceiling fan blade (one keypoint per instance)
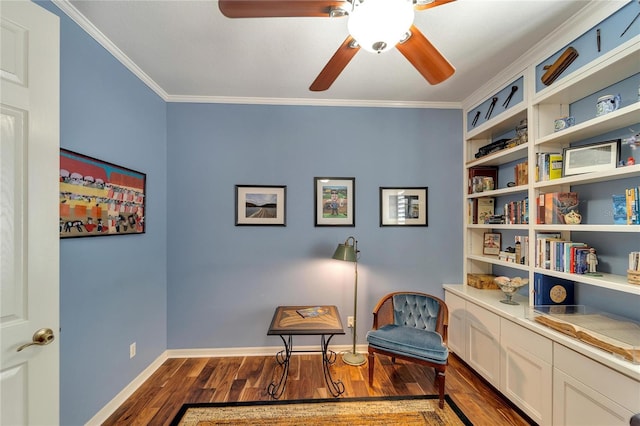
(277, 8)
(334, 67)
(425, 57)
(432, 4)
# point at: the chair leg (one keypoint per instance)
(440, 377)
(372, 360)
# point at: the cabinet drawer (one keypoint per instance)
(611, 384)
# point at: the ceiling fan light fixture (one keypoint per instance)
(378, 25)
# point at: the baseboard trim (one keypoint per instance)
(106, 411)
(102, 415)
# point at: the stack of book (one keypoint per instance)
(516, 212)
(521, 173)
(556, 254)
(480, 210)
(626, 208)
(554, 207)
(548, 166)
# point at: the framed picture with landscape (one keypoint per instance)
(403, 206)
(261, 205)
(334, 201)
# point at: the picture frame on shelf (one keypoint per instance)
(334, 201)
(589, 158)
(98, 198)
(404, 206)
(261, 205)
(491, 243)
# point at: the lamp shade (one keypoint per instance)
(378, 25)
(345, 252)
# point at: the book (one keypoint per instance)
(312, 312)
(619, 209)
(548, 290)
(485, 208)
(568, 254)
(581, 266)
(555, 166)
(521, 173)
(559, 204)
(541, 243)
(522, 249)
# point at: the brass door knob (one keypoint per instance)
(41, 337)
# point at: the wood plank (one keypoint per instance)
(181, 380)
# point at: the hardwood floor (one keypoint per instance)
(187, 380)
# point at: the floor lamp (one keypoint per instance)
(349, 253)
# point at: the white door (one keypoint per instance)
(29, 247)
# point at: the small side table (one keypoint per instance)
(289, 321)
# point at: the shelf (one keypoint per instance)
(604, 176)
(501, 226)
(541, 109)
(609, 281)
(501, 124)
(500, 157)
(586, 228)
(624, 117)
(501, 191)
(614, 66)
(494, 261)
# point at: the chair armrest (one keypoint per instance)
(383, 312)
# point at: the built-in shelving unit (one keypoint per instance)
(541, 111)
(546, 373)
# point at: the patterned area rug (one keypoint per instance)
(403, 410)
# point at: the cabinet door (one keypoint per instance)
(526, 374)
(457, 315)
(483, 343)
(574, 403)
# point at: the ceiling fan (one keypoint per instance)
(374, 25)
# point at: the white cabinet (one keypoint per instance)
(457, 324)
(526, 372)
(537, 369)
(483, 343)
(588, 393)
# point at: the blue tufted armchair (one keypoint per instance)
(413, 327)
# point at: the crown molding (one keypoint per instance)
(73, 13)
(67, 8)
(587, 17)
(313, 102)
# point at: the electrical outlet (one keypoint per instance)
(350, 322)
(132, 350)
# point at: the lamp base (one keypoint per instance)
(351, 358)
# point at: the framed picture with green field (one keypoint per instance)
(335, 201)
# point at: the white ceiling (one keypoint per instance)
(188, 49)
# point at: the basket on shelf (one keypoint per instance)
(633, 277)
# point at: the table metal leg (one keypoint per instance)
(275, 390)
(336, 388)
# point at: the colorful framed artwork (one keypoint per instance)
(261, 205)
(335, 201)
(403, 206)
(98, 198)
(491, 243)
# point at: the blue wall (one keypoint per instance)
(112, 289)
(194, 280)
(225, 281)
